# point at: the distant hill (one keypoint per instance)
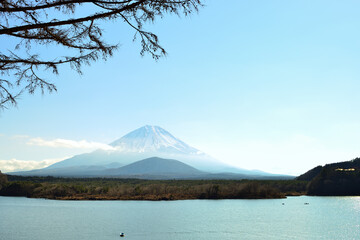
(153, 166)
(150, 168)
(336, 179)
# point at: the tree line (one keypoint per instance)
(136, 189)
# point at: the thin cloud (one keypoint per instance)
(14, 165)
(19, 137)
(65, 143)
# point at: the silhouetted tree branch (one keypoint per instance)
(30, 23)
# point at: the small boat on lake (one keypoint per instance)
(122, 235)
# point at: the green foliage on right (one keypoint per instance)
(336, 179)
(3, 180)
(333, 182)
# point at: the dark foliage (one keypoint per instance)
(18, 189)
(3, 179)
(336, 179)
(136, 189)
(310, 175)
(355, 163)
(333, 182)
(59, 23)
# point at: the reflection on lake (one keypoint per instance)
(291, 218)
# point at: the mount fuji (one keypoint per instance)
(145, 142)
(148, 142)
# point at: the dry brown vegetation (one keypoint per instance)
(134, 189)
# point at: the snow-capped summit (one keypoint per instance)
(145, 142)
(152, 139)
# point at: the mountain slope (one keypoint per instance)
(150, 168)
(142, 143)
(72, 171)
(154, 166)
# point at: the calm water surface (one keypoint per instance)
(40, 219)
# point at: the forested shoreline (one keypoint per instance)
(136, 189)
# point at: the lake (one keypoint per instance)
(40, 219)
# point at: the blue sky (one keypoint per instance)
(270, 85)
